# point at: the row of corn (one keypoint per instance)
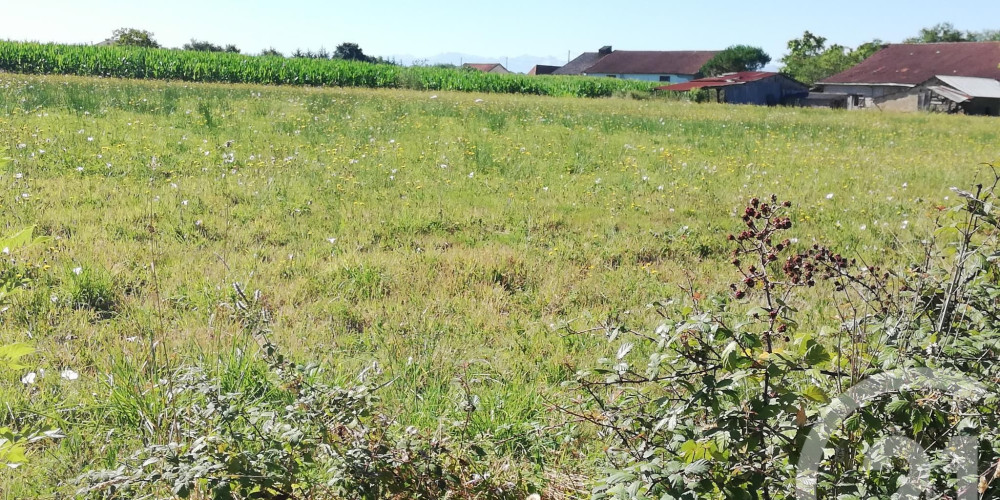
(167, 64)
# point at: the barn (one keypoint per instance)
(893, 72)
(749, 87)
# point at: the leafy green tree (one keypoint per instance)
(942, 32)
(810, 59)
(946, 32)
(134, 38)
(736, 58)
(204, 46)
(271, 51)
(351, 52)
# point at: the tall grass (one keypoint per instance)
(166, 64)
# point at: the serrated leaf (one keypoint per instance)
(814, 393)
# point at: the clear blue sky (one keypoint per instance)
(498, 28)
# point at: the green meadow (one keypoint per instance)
(450, 243)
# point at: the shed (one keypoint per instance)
(949, 94)
(748, 87)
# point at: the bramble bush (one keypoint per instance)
(291, 436)
(718, 401)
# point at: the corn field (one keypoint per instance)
(167, 64)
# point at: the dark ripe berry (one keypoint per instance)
(750, 283)
(786, 204)
(731, 237)
(782, 328)
(754, 202)
(771, 257)
(736, 262)
(740, 294)
(732, 286)
(811, 283)
(773, 314)
(780, 247)
(753, 269)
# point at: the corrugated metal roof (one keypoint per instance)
(724, 81)
(913, 64)
(949, 93)
(641, 62)
(973, 87)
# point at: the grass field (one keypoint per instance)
(439, 235)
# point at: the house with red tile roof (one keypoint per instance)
(651, 65)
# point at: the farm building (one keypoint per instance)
(583, 62)
(901, 67)
(654, 66)
(949, 94)
(541, 69)
(748, 87)
(488, 68)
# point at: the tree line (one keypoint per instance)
(142, 38)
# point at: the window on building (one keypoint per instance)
(664, 78)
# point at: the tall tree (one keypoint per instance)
(810, 59)
(351, 52)
(734, 59)
(134, 38)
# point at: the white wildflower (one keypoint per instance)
(69, 374)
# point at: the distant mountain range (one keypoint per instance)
(519, 64)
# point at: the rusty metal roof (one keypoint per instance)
(913, 64)
(641, 62)
(726, 80)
